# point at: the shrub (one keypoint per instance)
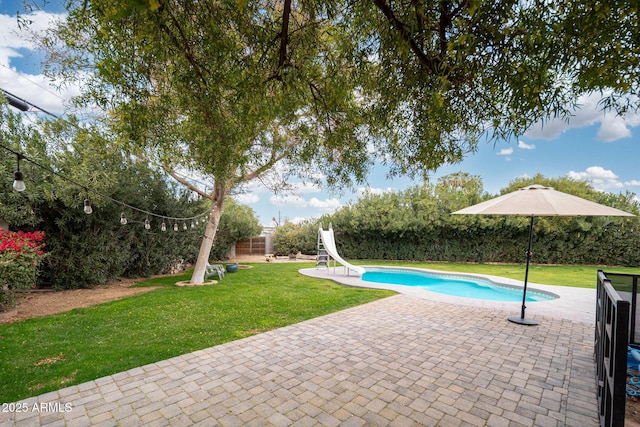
(292, 238)
(20, 256)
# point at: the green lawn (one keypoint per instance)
(44, 354)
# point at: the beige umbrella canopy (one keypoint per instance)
(538, 200)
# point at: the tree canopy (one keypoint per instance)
(232, 88)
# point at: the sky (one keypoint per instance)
(603, 149)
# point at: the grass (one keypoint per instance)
(44, 354)
(48, 353)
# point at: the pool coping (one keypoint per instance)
(575, 304)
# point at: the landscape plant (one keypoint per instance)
(65, 163)
(20, 257)
(417, 224)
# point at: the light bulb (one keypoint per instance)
(147, 224)
(192, 226)
(175, 227)
(184, 226)
(18, 181)
(163, 227)
(123, 219)
(87, 207)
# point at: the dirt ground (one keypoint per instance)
(37, 304)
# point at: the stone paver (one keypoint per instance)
(404, 361)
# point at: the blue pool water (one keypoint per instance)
(468, 287)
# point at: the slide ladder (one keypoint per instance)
(327, 243)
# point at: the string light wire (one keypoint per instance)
(21, 156)
(89, 190)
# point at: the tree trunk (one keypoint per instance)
(217, 204)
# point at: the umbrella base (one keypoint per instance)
(522, 321)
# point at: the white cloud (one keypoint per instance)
(600, 178)
(372, 190)
(523, 146)
(505, 152)
(292, 201)
(247, 198)
(298, 220)
(612, 129)
(632, 183)
(305, 188)
(289, 200)
(612, 126)
(326, 205)
(17, 43)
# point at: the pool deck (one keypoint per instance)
(577, 304)
(414, 359)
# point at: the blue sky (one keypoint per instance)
(600, 148)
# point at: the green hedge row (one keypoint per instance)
(417, 224)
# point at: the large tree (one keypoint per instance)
(231, 88)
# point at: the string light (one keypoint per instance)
(18, 177)
(163, 227)
(16, 102)
(19, 184)
(175, 226)
(147, 224)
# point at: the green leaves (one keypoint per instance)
(416, 224)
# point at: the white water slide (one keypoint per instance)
(329, 243)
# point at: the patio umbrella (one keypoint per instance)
(538, 200)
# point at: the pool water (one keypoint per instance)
(468, 287)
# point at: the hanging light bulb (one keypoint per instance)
(18, 177)
(87, 207)
(163, 227)
(184, 225)
(147, 224)
(123, 219)
(192, 225)
(175, 227)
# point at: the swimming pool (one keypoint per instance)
(455, 285)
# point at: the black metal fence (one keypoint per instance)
(615, 329)
(626, 285)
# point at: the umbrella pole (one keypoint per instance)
(521, 320)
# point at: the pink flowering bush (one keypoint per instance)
(20, 256)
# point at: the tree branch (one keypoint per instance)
(186, 183)
(184, 47)
(404, 33)
(273, 159)
(445, 22)
(284, 34)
